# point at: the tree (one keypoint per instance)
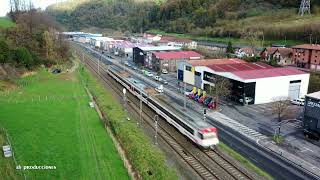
(229, 48)
(48, 43)
(220, 89)
(23, 57)
(280, 106)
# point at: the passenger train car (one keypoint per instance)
(200, 132)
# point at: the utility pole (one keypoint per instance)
(185, 98)
(124, 91)
(140, 124)
(156, 117)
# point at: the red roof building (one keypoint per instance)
(307, 56)
(169, 60)
(281, 55)
(257, 82)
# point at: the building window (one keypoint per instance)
(197, 73)
(188, 68)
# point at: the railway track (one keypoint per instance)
(208, 164)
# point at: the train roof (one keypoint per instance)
(192, 121)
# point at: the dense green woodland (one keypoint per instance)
(272, 19)
(32, 41)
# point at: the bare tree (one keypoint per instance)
(280, 106)
(220, 89)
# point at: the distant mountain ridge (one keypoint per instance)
(273, 19)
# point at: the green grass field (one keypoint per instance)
(50, 123)
(6, 23)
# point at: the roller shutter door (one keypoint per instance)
(294, 89)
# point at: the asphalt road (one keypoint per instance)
(266, 160)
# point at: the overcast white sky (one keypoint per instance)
(4, 5)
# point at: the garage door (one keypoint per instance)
(294, 89)
(180, 75)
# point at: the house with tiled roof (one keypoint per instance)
(307, 56)
(281, 55)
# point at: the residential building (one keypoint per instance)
(258, 81)
(307, 56)
(246, 52)
(169, 60)
(143, 55)
(281, 55)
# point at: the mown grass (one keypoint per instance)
(6, 23)
(146, 158)
(245, 162)
(8, 167)
(50, 123)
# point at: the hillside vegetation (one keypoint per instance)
(263, 19)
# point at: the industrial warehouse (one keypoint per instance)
(258, 82)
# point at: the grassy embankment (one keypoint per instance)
(245, 162)
(6, 23)
(146, 158)
(50, 123)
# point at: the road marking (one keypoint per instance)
(306, 149)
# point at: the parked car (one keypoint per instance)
(159, 89)
(248, 100)
(211, 105)
(158, 78)
(200, 100)
(299, 102)
(188, 93)
(197, 97)
(164, 71)
(149, 74)
(207, 101)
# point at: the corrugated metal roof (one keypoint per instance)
(265, 73)
(160, 48)
(207, 62)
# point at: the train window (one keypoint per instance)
(186, 127)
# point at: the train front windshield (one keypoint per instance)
(207, 135)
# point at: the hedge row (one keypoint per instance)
(146, 158)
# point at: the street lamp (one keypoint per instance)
(124, 91)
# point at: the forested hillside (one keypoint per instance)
(268, 19)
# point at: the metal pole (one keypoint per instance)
(140, 124)
(156, 127)
(185, 98)
(98, 66)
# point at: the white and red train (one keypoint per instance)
(200, 132)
